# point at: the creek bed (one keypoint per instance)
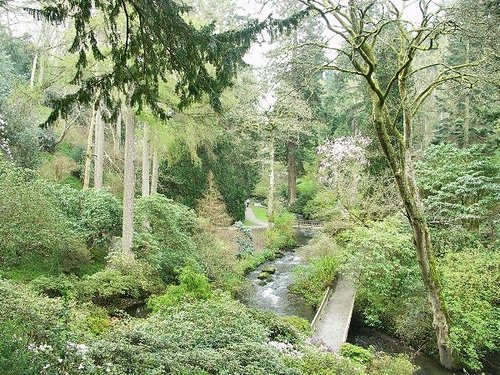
(274, 295)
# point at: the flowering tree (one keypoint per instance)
(342, 163)
(4, 142)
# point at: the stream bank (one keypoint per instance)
(275, 296)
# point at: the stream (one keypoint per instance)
(275, 296)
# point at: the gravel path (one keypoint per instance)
(332, 328)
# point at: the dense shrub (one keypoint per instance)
(356, 353)
(216, 336)
(101, 216)
(391, 365)
(324, 363)
(166, 233)
(124, 278)
(461, 186)
(383, 258)
(312, 279)
(34, 231)
(470, 285)
(193, 286)
(282, 235)
(219, 262)
(37, 334)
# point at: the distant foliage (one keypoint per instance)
(234, 176)
(244, 239)
(4, 142)
(282, 235)
(460, 187)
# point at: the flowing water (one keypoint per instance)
(274, 295)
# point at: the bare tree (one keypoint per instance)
(89, 155)
(379, 43)
(99, 148)
(128, 182)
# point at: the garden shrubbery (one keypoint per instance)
(34, 232)
(282, 234)
(166, 234)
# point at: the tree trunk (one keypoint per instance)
(89, 156)
(467, 103)
(155, 171)
(292, 172)
(118, 135)
(270, 197)
(401, 165)
(33, 70)
(128, 184)
(145, 161)
(99, 149)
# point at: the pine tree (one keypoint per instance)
(212, 206)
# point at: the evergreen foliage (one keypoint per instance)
(165, 237)
(147, 41)
(212, 206)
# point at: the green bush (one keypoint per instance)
(315, 362)
(168, 238)
(391, 365)
(57, 286)
(215, 336)
(193, 286)
(101, 216)
(312, 279)
(219, 262)
(282, 235)
(460, 186)
(124, 278)
(37, 334)
(356, 353)
(279, 328)
(470, 286)
(249, 262)
(389, 282)
(34, 231)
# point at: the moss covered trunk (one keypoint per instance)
(399, 157)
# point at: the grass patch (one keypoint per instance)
(248, 223)
(259, 212)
